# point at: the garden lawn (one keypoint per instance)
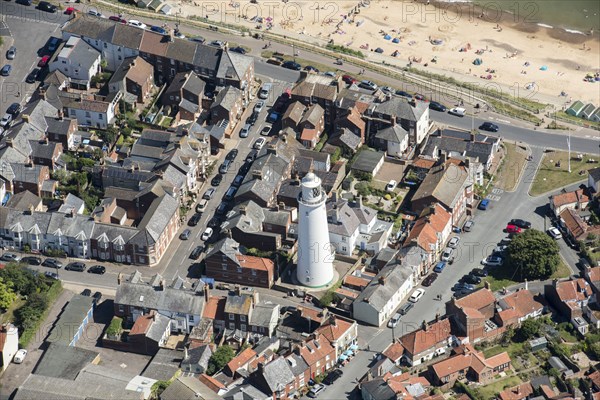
(549, 177)
(503, 276)
(489, 391)
(515, 159)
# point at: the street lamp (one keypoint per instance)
(293, 52)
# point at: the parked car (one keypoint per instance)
(405, 308)
(32, 260)
(209, 194)
(198, 39)
(158, 29)
(463, 286)
(238, 49)
(447, 254)
(391, 186)
(20, 356)
(53, 43)
(259, 143)
(217, 43)
(207, 234)
(310, 68)
(43, 61)
(238, 180)
(458, 111)
(367, 85)
(490, 127)
(439, 267)
(5, 71)
(493, 261)
(468, 225)
(349, 79)
(435, 106)
(86, 292)
(216, 181)
(513, 229)
(117, 19)
(416, 296)
(429, 279)
(232, 154)
(221, 208)
(97, 297)
(453, 243)
(420, 96)
(224, 167)
(24, 2)
(51, 275)
(14, 109)
(52, 263)
(483, 204)
(252, 118)
(333, 376)
(97, 269)
(266, 130)
(479, 272)
(251, 156)
(315, 390)
(245, 131)
(520, 223)
(10, 257)
(472, 279)
(75, 266)
(194, 220)
(185, 235)
(500, 249)
(33, 75)
(214, 222)
(403, 94)
(554, 233)
(259, 106)
(291, 65)
(47, 7)
(6, 120)
(195, 254)
(11, 53)
(136, 23)
(393, 322)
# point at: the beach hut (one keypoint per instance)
(587, 111)
(477, 61)
(396, 40)
(575, 109)
(596, 115)
(379, 50)
(143, 3)
(165, 9)
(155, 5)
(387, 37)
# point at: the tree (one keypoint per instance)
(7, 295)
(219, 359)
(533, 255)
(529, 328)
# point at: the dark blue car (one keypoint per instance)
(5, 71)
(484, 204)
(158, 29)
(440, 267)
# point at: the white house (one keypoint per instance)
(378, 302)
(594, 178)
(393, 140)
(93, 113)
(9, 344)
(78, 61)
(352, 225)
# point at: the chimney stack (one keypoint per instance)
(238, 290)
(185, 353)
(486, 285)
(25, 117)
(335, 214)
(162, 284)
(119, 278)
(424, 326)
(206, 292)
(526, 285)
(242, 210)
(257, 174)
(382, 280)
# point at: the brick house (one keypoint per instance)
(293, 115)
(228, 106)
(318, 354)
(29, 177)
(433, 339)
(340, 332)
(226, 263)
(353, 122)
(471, 313)
(569, 297)
(45, 152)
(575, 200)
(61, 130)
(134, 76)
(468, 363)
(311, 126)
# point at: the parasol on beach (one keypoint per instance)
(543, 68)
(477, 61)
(396, 40)
(387, 37)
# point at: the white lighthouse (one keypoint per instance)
(315, 253)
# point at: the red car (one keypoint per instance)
(117, 19)
(513, 229)
(71, 10)
(348, 79)
(44, 61)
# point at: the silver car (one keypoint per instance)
(11, 53)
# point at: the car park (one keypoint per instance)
(245, 131)
(14, 109)
(259, 143)
(20, 356)
(439, 267)
(32, 260)
(490, 127)
(195, 254)
(513, 229)
(416, 296)
(493, 261)
(5, 71)
(457, 111)
(207, 234)
(32, 76)
(479, 272)
(158, 29)
(52, 263)
(10, 257)
(43, 61)
(429, 279)
(291, 65)
(554, 233)
(435, 106)
(333, 376)
(391, 186)
(453, 243)
(520, 223)
(447, 254)
(11, 53)
(97, 269)
(136, 23)
(216, 180)
(86, 292)
(468, 225)
(315, 390)
(194, 220)
(393, 322)
(75, 266)
(367, 85)
(483, 204)
(266, 130)
(185, 235)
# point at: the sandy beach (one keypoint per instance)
(522, 56)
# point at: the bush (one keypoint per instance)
(219, 359)
(344, 50)
(321, 143)
(387, 196)
(363, 176)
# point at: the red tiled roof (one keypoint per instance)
(394, 352)
(315, 350)
(547, 391)
(423, 234)
(212, 383)
(595, 378)
(577, 289)
(258, 263)
(331, 332)
(215, 308)
(477, 300)
(522, 302)
(142, 324)
(347, 293)
(570, 198)
(421, 340)
(308, 134)
(574, 223)
(315, 315)
(517, 393)
(594, 274)
(424, 163)
(356, 281)
(241, 359)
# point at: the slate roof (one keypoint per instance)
(294, 112)
(233, 65)
(277, 374)
(595, 174)
(164, 364)
(227, 247)
(443, 183)
(135, 68)
(367, 161)
(198, 356)
(23, 200)
(350, 215)
(271, 166)
(71, 202)
(73, 315)
(396, 106)
(246, 392)
(63, 361)
(264, 314)
(79, 53)
(188, 388)
(394, 134)
(313, 114)
(156, 219)
(347, 138)
(41, 149)
(227, 98)
(379, 295)
(451, 145)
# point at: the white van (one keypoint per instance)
(265, 90)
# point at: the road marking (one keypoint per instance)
(497, 191)
(36, 21)
(493, 197)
